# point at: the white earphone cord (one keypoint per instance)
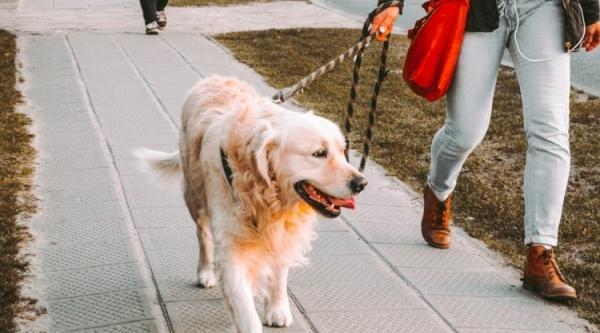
(545, 59)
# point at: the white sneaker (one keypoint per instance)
(152, 28)
(161, 19)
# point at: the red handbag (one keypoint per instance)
(433, 53)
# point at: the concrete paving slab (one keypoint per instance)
(354, 295)
(378, 195)
(424, 256)
(393, 233)
(86, 231)
(162, 217)
(127, 152)
(93, 281)
(127, 167)
(169, 238)
(384, 214)
(64, 154)
(493, 330)
(173, 262)
(177, 288)
(79, 193)
(84, 211)
(143, 140)
(125, 115)
(341, 268)
(137, 327)
(212, 317)
(461, 283)
(89, 139)
(417, 321)
(149, 199)
(98, 310)
(338, 243)
(325, 225)
(105, 3)
(127, 130)
(65, 179)
(77, 161)
(69, 126)
(99, 253)
(492, 312)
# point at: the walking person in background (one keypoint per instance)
(155, 18)
(533, 32)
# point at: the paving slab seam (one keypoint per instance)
(400, 275)
(157, 100)
(307, 319)
(163, 324)
(184, 58)
(148, 87)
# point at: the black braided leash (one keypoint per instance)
(358, 51)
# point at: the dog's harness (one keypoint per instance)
(226, 168)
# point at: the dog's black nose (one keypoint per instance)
(358, 183)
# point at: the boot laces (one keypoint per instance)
(551, 265)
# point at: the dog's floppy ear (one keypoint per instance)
(265, 141)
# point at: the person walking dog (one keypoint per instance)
(155, 17)
(534, 33)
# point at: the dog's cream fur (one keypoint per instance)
(260, 227)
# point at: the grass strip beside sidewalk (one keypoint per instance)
(488, 202)
(16, 200)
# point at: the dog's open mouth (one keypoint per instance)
(325, 204)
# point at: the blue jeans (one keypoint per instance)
(545, 88)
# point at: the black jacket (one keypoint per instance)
(484, 16)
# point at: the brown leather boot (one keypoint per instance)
(543, 275)
(437, 216)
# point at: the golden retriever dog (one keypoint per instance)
(255, 176)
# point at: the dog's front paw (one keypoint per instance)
(207, 279)
(278, 316)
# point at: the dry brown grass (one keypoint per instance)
(198, 3)
(488, 198)
(16, 201)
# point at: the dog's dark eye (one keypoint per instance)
(321, 153)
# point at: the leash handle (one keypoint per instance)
(288, 92)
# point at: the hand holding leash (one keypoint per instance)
(592, 36)
(383, 23)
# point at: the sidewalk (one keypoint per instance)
(116, 254)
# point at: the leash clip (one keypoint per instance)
(278, 98)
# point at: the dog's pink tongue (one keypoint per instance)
(347, 203)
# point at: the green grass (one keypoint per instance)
(488, 201)
(188, 3)
(16, 200)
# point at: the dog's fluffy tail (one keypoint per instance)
(165, 167)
